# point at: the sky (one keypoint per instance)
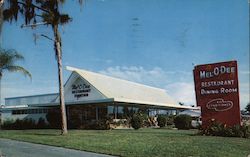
(153, 42)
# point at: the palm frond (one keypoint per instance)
(14, 54)
(15, 68)
(9, 57)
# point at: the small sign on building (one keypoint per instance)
(217, 92)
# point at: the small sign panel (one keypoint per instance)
(80, 90)
(217, 92)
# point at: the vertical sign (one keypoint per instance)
(217, 92)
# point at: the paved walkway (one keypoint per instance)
(11, 148)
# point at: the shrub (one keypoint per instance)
(219, 129)
(246, 130)
(161, 119)
(54, 118)
(41, 124)
(74, 121)
(145, 119)
(170, 120)
(126, 123)
(183, 122)
(216, 129)
(7, 124)
(24, 124)
(17, 124)
(102, 124)
(137, 121)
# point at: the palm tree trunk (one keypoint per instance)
(0, 91)
(58, 51)
(1, 20)
(0, 99)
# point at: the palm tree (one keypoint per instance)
(1, 18)
(49, 14)
(7, 63)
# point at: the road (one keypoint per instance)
(11, 148)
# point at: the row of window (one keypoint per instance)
(123, 112)
(30, 111)
(116, 111)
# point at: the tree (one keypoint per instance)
(7, 63)
(1, 18)
(1, 15)
(48, 11)
(181, 103)
(248, 108)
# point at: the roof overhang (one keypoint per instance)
(122, 100)
(73, 103)
(155, 104)
(21, 107)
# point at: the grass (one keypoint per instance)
(136, 143)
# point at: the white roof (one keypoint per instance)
(127, 91)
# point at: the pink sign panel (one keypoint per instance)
(217, 92)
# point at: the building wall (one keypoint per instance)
(78, 89)
(36, 99)
(12, 115)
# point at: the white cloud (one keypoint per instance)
(245, 72)
(178, 84)
(182, 92)
(154, 77)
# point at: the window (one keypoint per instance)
(30, 111)
(111, 111)
(120, 111)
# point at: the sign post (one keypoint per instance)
(217, 92)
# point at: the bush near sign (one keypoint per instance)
(217, 92)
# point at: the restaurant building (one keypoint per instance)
(93, 96)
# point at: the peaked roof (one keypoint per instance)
(126, 91)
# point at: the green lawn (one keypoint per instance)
(143, 142)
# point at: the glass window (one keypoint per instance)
(25, 111)
(14, 112)
(40, 110)
(102, 112)
(45, 110)
(29, 111)
(111, 112)
(120, 112)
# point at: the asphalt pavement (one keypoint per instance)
(12, 148)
